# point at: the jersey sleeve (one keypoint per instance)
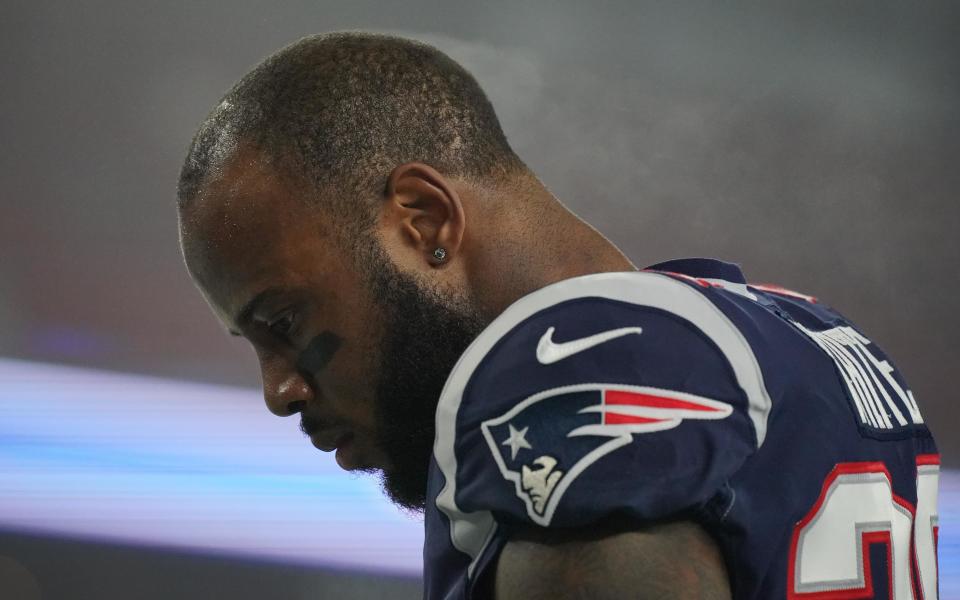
(628, 394)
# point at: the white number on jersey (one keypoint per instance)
(830, 550)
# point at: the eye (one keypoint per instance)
(282, 325)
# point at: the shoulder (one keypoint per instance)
(569, 380)
(538, 329)
(641, 328)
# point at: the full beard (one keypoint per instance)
(424, 334)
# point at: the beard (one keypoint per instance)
(424, 334)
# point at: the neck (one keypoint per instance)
(540, 244)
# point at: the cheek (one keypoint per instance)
(352, 381)
(352, 372)
(361, 346)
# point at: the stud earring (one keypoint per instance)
(440, 254)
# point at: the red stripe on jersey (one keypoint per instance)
(778, 289)
(635, 399)
(618, 419)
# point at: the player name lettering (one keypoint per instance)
(880, 400)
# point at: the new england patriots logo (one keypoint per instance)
(547, 440)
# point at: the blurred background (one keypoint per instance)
(815, 143)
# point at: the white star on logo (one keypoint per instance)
(516, 441)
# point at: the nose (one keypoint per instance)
(284, 390)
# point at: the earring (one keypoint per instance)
(440, 254)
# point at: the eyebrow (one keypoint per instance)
(248, 309)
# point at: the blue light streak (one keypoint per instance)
(107, 456)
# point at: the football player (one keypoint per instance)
(571, 426)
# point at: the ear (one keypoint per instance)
(427, 209)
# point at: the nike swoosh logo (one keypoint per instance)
(549, 352)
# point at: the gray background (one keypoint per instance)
(815, 143)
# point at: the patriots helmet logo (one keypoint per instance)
(545, 441)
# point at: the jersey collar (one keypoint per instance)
(704, 268)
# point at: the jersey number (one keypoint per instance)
(857, 517)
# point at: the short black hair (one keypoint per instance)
(341, 110)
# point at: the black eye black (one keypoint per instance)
(282, 325)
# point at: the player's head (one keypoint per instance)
(339, 111)
(311, 202)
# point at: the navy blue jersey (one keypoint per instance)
(683, 392)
